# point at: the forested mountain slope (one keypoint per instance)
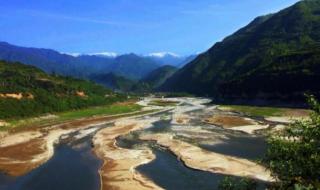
(275, 57)
(28, 91)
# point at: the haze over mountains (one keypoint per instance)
(274, 58)
(131, 66)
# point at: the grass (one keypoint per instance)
(264, 111)
(163, 103)
(106, 110)
(72, 115)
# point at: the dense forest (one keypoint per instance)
(28, 91)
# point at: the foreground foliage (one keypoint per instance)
(294, 155)
(231, 183)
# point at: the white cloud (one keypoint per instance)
(73, 54)
(162, 54)
(105, 54)
(101, 54)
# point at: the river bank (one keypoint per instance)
(226, 145)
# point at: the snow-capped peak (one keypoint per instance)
(105, 54)
(162, 54)
(101, 54)
(73, 54)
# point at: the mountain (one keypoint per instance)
(154, 79)
(186, 60)
(129, 65)
(27, 91)
(113, 81)
(274, 58)
(133, 66)
(45, 59)
(149, 83)
(159, 76)
(167, 58)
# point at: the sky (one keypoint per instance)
(123, 26)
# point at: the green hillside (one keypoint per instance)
(28, 91)
(155, 79)
(113, 81)
(275, 57)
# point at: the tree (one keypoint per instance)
(232, 183)
(293, 155)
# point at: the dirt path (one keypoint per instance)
(118, 170)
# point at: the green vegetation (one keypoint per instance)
(232, 183)
(96, 111)
(274, 58)
(72, 115)
(113, 81)
(163, 103)
(39, 93)
(294, 155)
(262, 111)
(147, 84)
(154, 79)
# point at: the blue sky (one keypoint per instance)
(140, 26)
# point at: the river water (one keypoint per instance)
(74, 166)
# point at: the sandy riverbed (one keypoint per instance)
(236, 123)
(118, 170)
(197, 158)
(21, 152)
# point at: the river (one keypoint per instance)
(75, 166)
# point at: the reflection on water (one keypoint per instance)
(160, 126)
(75, 167)
(68, 169)
(241, 146)
(170, 173)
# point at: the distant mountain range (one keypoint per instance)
(166, 58)
(276, 58)
(130, 66)
(113, 81)
(154, 79)
(147, 84)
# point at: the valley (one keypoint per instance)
(127, 144)
(137, 95)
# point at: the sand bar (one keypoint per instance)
(197, 158)
(118, 170)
